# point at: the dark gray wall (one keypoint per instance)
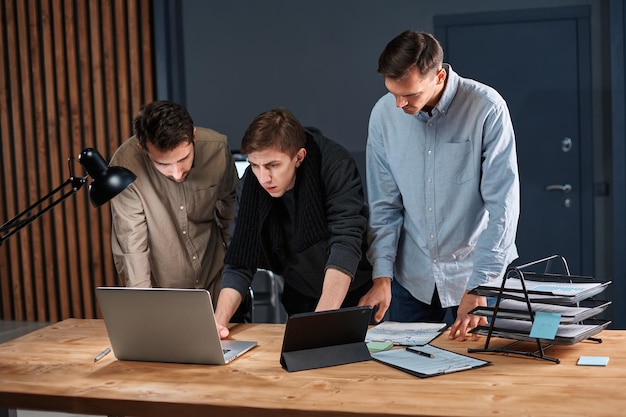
(318, 58)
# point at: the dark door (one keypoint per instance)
(539, 61)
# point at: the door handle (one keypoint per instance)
(565, 188)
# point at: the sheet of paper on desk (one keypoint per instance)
(406, 334)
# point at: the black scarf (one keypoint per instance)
(258, 240)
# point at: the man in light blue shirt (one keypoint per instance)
(443, 186)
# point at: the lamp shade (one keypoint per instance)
(107, 182)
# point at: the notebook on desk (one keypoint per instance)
(165, 325)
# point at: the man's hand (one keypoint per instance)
(378, 296)
(464, 321)
(223, 331)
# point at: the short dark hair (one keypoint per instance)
(277, 128)
(408, 49)
(164, 124)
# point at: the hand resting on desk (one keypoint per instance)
(464, 321)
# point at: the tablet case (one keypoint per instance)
(326, 338)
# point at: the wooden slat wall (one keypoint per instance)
(73, 73)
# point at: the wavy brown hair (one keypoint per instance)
(165, 124)
(278, 129)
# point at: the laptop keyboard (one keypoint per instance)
(225, 351)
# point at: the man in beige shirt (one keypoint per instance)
(171, 226)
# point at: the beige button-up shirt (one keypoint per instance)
(169, 234)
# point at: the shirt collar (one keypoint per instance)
(449, 91)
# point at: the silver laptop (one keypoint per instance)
(165, 325)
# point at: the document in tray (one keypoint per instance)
(406, 334)
(515, 309)
(426, 361)
(567, 334)
(545, 291)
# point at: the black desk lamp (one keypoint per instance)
(107, 182)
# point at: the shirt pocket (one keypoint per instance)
(202, 203)
(456, 162)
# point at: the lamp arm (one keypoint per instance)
(20, 221)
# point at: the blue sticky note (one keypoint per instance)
(545, 325)
(593, 360)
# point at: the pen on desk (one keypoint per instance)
(419, 352)
(102, 354)
(462, 368)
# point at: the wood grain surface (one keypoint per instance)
(53, 369)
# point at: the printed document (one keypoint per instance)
(406, 334)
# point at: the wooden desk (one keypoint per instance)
(53, 369)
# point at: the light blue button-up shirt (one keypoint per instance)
(443, 191)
